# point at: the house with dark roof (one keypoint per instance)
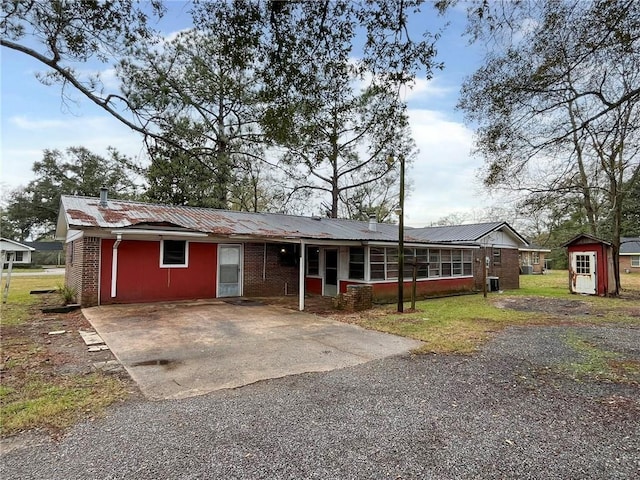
(629, 255)
(124, 252)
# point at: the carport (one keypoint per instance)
(183, 349)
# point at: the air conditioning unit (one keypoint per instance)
(527, 269)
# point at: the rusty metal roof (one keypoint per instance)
(80, 213)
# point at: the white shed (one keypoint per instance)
(21, 253)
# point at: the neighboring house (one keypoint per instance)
(46, 252)
(498, 242)
(20, 252)
(532, 259)
(590, 265)
(630, 254)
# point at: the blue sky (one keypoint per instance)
(34, 117)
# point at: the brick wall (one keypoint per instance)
(508, 270)
(356, 298)
(73, 265)
(625, 264)
(278, 279)
(82, 260)
(90, 269)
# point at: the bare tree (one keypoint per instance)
(557, 102)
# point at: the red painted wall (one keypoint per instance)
(602, 274)
(140, 278)
(388, 291)
(314, 285)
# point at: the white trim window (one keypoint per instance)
(432, 263)
(174, 254)
(635, 260)
(535, 258)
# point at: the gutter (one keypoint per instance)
(114, 265)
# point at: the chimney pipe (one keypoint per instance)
(373, 223)
(104, 194)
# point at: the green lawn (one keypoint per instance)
(19, 300)
(461, 324)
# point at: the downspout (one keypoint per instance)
(301, 287)
(264, 264)
(114, 265)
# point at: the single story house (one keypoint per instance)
(124, 252)
(629, 254)
(47, 252)
(498, 243)
(532, 259)
(19, 252)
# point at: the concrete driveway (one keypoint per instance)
(182, 349)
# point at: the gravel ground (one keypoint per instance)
(507, 412)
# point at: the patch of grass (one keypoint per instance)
(33, 394)
(461, 324)
(600, 364)
(67, 293)
(56, 406)
(447, 325)
(554, 283)
(16, 310)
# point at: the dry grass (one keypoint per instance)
(37, 389)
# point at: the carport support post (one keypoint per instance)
(301, 277)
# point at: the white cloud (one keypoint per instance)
(25, 123)
(422, 90)
(443, 176)
(26, 139)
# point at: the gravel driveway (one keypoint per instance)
(506, 412)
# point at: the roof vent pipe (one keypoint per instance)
(104, 194)
(373, 223)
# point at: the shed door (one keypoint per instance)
(229, 268)
(583, 265)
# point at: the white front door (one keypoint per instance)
(583, 266)
(229, 270)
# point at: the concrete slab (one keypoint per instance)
(182, 349)
(90, 338)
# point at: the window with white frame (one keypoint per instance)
(434, 263)
(313, 261)
(635, 260)
(583, 265)
(174, 253)
(431, 263)
(19, 256)
(356, 263)
(535, 258)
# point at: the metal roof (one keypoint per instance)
(630, 246)
(463, 233)
(80, 213)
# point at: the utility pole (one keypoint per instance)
(401, 240)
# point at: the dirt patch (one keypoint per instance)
(47, 349)
(551, 306)
(48, 354)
